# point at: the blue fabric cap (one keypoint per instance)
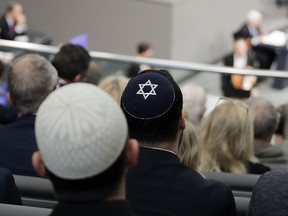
(148, 96)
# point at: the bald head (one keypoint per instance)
(194, 99)
(31, 79)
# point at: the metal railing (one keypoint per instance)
(182, 65)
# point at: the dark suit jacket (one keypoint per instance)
(100, 208)
(160, 185)
(5, 32)
(226, 83)
(9, 193)
(17, 146)
(244, 32)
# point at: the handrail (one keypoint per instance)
(150, 61)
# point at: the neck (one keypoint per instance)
(119, 193)
(262, 142)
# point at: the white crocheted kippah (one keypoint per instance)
(80, 131)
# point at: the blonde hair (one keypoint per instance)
(227, 138)
(114, 85)
(189, 150)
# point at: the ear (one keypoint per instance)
(38, 164)
(182, 121)
(78, 77)
(10, 99)
(132, 151)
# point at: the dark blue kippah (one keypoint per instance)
(148, 96)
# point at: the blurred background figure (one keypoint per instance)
(114, 85)
(13, 23)
(93, 74)
(238, 86)
(282, 129)
(265, 125)
(189, 149)
(144, 50)
(227, 140)
(194, 99)
(251, 32)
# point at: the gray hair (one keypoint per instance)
(194, 99)
(265, 118)
(31, 79)
(254, 15)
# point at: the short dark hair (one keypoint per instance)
(70, 61)
(161, 129)
(94, 188)
(11, 6)
(143, 47)
(265, 118)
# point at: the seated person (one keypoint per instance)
(251, 31)
(237, 86)
(144, 50)
(269, 197)
(160, 184)
(30, 80)
(227, 140)
(13, 23)
(9, 193)
(86, 157)
(71, 63)
(265, 125)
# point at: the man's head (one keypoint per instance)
(240, 47)
(265, 119)
(31, 79)
(254, 18)
(144, 50)
(14, 10)
(194, 99)
(82, 137)
(152, 102)
(71, 62)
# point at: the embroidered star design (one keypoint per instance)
(147, 94)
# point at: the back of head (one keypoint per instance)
(152, 102)
(114, 85)
(265, 118)
(144, 49)
(194, 99)
(31, 79)
(227, 137)
(70, 61)
(81, 133)
(93, 74)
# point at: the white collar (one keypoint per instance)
(160, 149)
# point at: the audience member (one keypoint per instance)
(265, 125)
(84, 151)
(282, 129)
(9, 193)
(114, 85)
(194, 99)
(238, 86)
(13, 23)
(71, 63)
(227, 140)
(160, 184)
(31, 79)
(251, 31)
(269, 197)
(189, 149)
(144, 50)
(93, 74)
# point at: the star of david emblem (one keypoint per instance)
(147, 94)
